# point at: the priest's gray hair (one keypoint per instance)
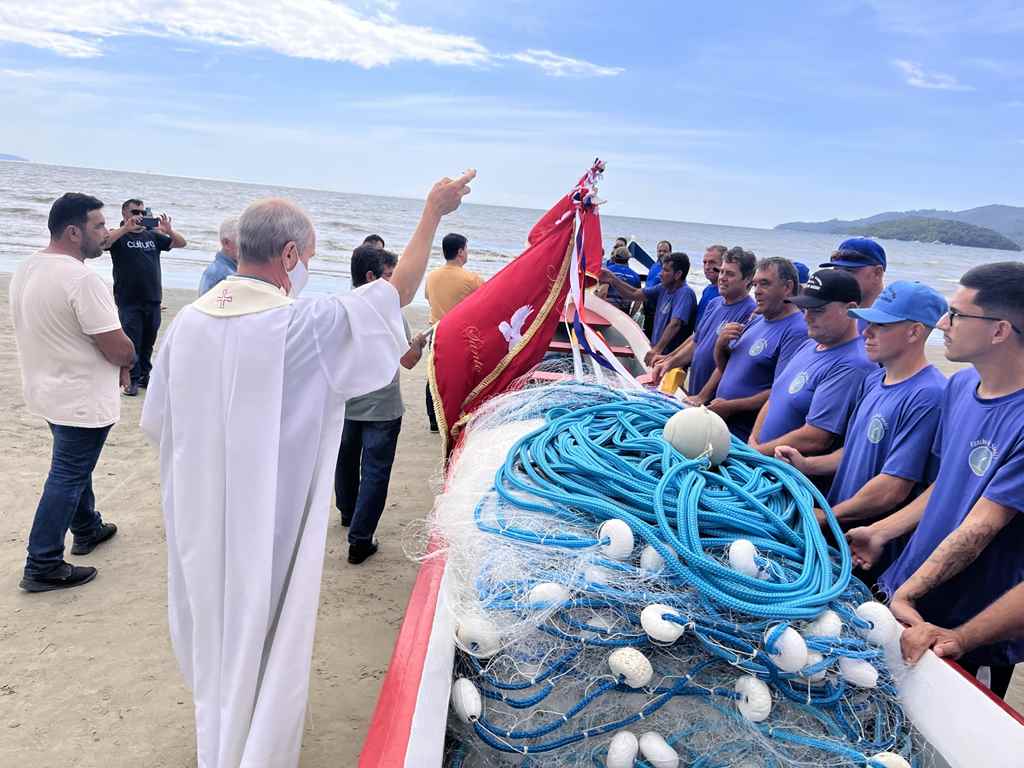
(267, 226)
(229, 230)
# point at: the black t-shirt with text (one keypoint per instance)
(136, 260)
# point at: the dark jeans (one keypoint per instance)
(432, 418)
(67, 500)
(141, 322)
(362, 475)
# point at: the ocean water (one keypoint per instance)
(496, 234)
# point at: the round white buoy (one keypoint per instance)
(650, 560)
(858, 672)
(755, 698)
(632, 666)
(890, 760)
(620, 539)
(828, 624)
(547, 594)
(790, 649)
(657, 751)
(466, 700)
(596, 574)
(884, 627)
(813, 657)
(622, 750)
(697, 431)
(742, 558)
(659, 629)
(478, 637)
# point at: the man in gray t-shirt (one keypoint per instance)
(372, 425)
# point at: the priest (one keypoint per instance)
(246, 402)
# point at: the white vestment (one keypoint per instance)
(246, 401)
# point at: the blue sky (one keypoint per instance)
(740, 113)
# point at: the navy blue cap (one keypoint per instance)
(904, 300)
(858, 252)
(827, 285)
(802, 271)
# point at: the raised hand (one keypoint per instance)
(446, 195)
(165, 225)
(132, 225)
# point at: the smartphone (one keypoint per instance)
(149, 222)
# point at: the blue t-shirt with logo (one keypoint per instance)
(626, 275)
(765, 347)
(681, 304)
(891, 433)
(980, 446)
(817, 387)
(716, 316)
(709, 294)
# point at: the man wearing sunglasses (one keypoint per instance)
(865, 259)
(968, 527)
(135, 254)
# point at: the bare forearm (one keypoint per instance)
(708, 391)
(411, 357)
(1003, 620)
(806, 439)
(669, 333)
(752, 403)
(957, 551)
(625, 289)
(177, 240)
(409, 272)
(879, 495)
(904, 520)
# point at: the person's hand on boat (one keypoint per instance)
(721, 406)
(604, 276)
(792, 456)
(866, 544)
(446, 195)
(694, 400)
(947, 643)
(903, 609)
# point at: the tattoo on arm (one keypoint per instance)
(953, 555)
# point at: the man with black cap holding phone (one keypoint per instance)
(811, 399)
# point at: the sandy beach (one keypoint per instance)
(87, 676)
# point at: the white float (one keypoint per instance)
(650, 560)
(657, 751)
(890, 760)
(828, 624)
(631, 666)
(790, 649)
(478, 637)
(755, 698)
(658, 628)
(858, 672)
(622, 750)
(466, 700)
(813, 658)
(884, 627)
(620, 539)
(547, 594)
(695, 432)
(743, 558)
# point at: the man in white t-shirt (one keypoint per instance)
(71, 349)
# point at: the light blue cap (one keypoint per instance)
(904, 300)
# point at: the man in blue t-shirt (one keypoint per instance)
(677, 304)
(887, 458)
(733, 305)
(713, 257)
(748, 357)
(653, 279)
(967, 547)
(865, 259)
(619, 265)
(811, 399)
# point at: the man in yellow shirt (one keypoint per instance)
(446, 287)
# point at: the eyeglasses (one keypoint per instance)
(955, 314)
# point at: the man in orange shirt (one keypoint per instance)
(446, 287)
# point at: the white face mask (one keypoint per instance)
(299, 276)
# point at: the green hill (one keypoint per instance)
(926, 230)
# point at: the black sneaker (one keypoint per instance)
(85, 546)
(64, 577)
(131, 390)
(346, 522)
(357, 553)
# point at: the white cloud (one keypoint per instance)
(563, 66)
(918, 78)
(309, 29)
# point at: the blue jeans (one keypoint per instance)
(362, 475)
(67, 500)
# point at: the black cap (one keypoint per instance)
(827, 285)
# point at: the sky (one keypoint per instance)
(727, 113)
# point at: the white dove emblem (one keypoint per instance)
(513, 330)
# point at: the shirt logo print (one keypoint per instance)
(798, 382)
(980, 459)
(876, 429)
(758, 347)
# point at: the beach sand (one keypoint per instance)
(87, 676)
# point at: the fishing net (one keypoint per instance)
(618, 604)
